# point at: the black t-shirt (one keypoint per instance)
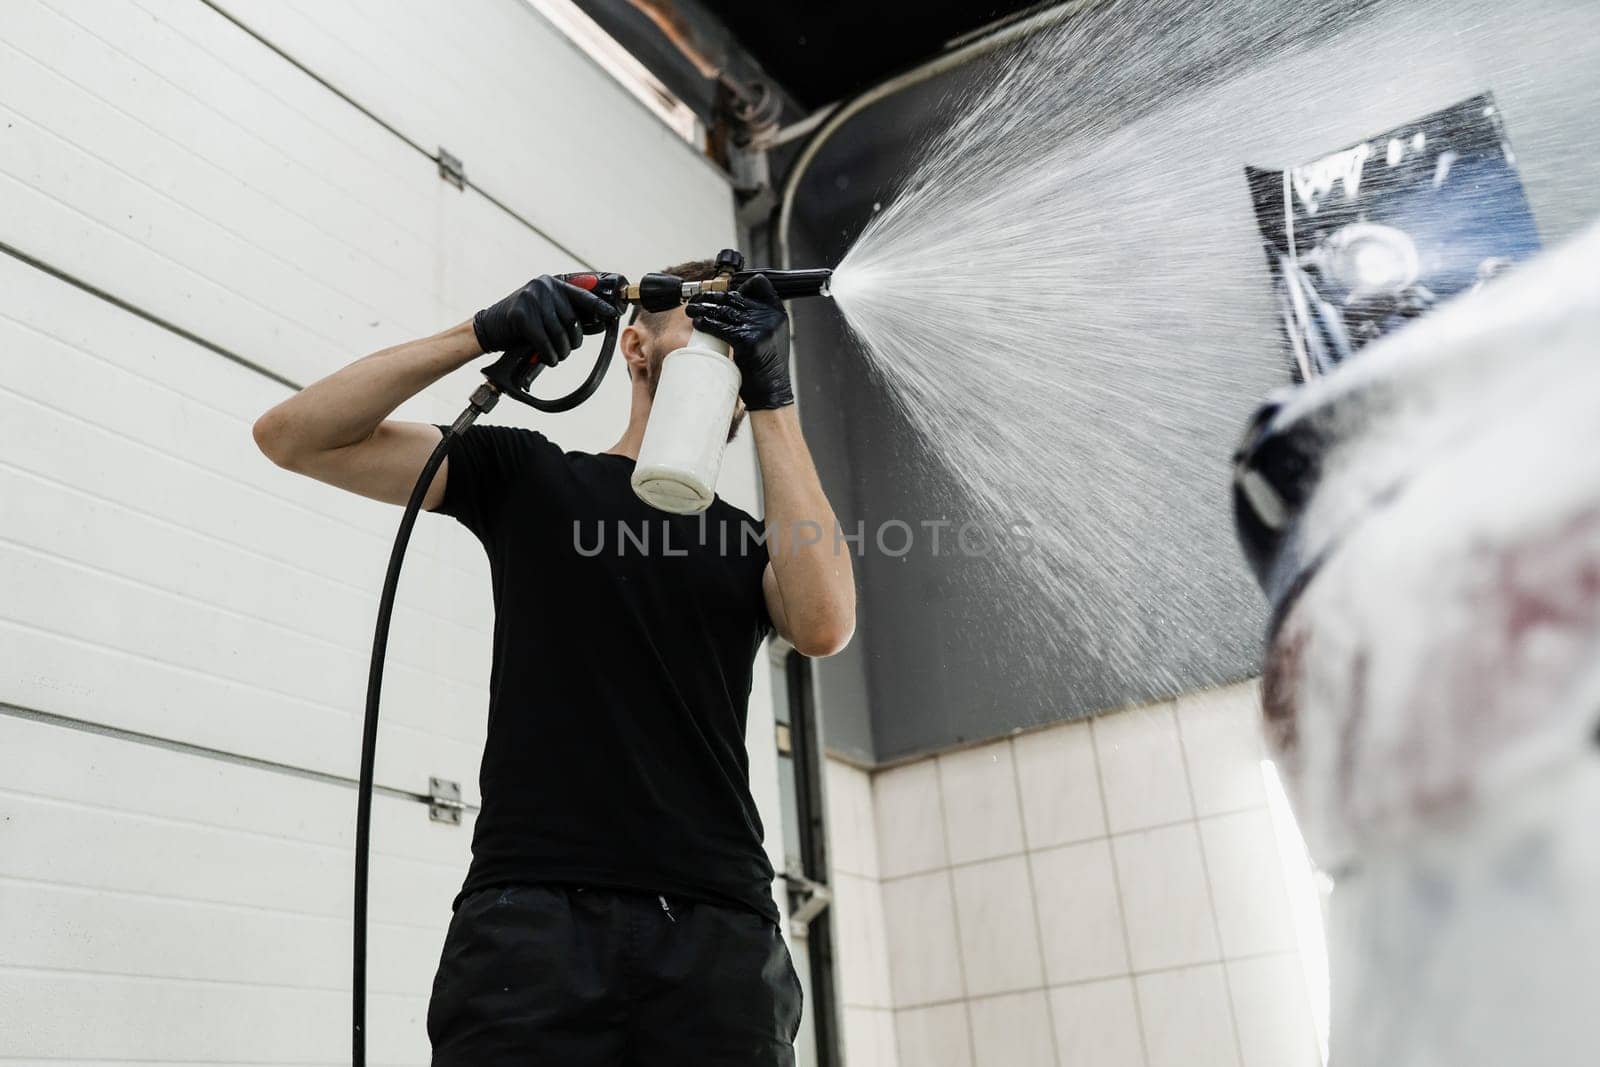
(624, 642)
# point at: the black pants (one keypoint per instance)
(569, 977)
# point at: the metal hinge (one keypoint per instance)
(452, 170)
(444, 801)
(808, 898)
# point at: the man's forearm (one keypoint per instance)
(813, 570)
(347, 406)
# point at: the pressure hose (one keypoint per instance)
(369, 728)
(510, 375)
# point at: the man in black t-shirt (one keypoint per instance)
(618, 909)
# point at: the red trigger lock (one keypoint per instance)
(584, 281)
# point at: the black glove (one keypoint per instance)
(751, 320)
(543, 318)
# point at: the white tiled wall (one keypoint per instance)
(1104, 893)
(861, 925)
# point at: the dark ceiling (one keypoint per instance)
(823, 50)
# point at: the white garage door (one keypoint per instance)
(204, 205)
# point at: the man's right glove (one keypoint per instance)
(751, 320)
(544, 317)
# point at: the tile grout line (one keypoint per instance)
(1033, 897)
(955, 912)
(1211, 896)
(1110, 836)
(1270, 954)
(1116, 881)
(1273, 954)
(875, 881)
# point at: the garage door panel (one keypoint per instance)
(353, 70)
(46, 762)
(71, 445)
(196, 49)
(119, 264)
(114, 572)
(54, 927)
(47, 517)
(206, 191)
(484, 253)
(94, 1018)
(101, 370)
(30, 1062)
(244, 642)
(80, 393)
(229, 103)
(658, 211)
(177, 667)
(260, 227)
(185, 859)
(132, 56)
(61, 676)
(276, 559)
(128, 185)
(240, 269)
(186, 907)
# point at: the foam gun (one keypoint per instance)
(686, 436)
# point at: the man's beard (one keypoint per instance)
(738, 409)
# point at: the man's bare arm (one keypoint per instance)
(810, 584)
(338, 430)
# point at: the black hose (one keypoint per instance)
(510, 376)
(482, 401)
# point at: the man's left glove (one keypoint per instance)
(751, 320)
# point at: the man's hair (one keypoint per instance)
(695, 270)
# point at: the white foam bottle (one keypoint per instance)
(688, 429)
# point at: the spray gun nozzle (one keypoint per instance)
(791, 284)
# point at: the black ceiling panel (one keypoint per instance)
(823, 50)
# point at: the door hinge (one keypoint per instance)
(452, 170)
(444, 801)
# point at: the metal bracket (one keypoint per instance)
(444, 801)
(808, 898)
(452, 170)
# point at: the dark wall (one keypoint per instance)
(941, 657)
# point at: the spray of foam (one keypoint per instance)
(1068, 300)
